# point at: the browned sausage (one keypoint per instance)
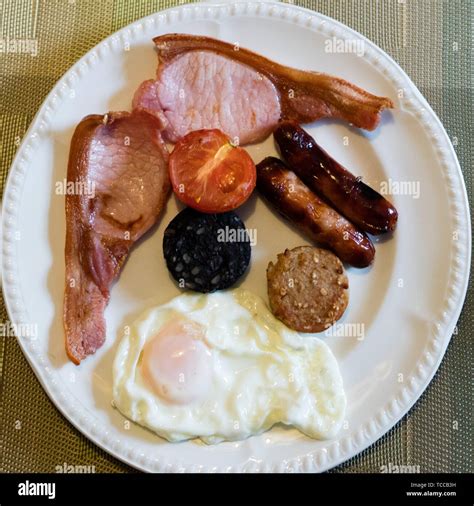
(358, 202)
(320, 223)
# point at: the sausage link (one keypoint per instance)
(358, 202)
(295, 201)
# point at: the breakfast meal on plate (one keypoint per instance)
(221, 367)
(317, 220)
(209, 173)
(206, 252)
(357, 201)
(307, 288)
(202, 82)
(131, 185)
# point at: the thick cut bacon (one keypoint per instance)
(206, 83)
(119, 161)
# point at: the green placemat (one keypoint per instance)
(432, 41)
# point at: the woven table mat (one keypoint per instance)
(430, 39)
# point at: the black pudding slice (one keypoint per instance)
(206, 252)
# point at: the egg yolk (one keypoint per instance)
(176, 363)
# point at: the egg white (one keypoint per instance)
(262, 373)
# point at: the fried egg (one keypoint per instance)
(221, 367)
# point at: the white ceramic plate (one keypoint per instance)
(408, 302)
